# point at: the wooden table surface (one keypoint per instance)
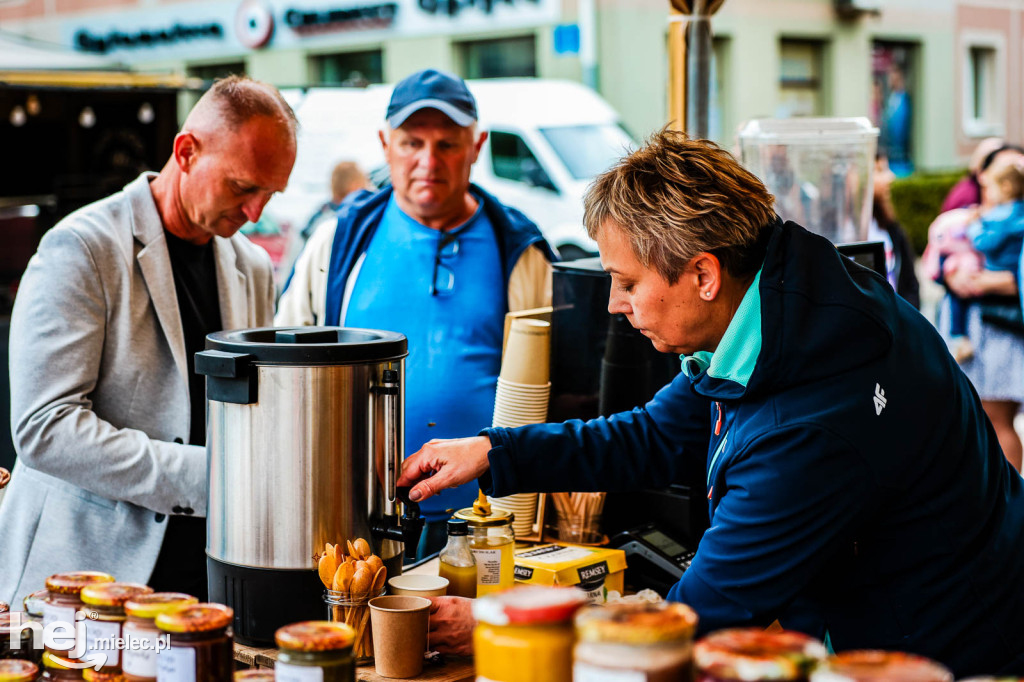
(450, 670)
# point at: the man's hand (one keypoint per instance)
(451, 626)
(442, 464)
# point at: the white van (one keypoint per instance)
(547, 140)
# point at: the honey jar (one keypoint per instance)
(526, 634)
(639, 642)
(17, 670)
(58, 669)
(492, 541)
(103, 607)
(880, 666)
(754, 655)
(35, 605)
(202, 644)
(15, 644)
(315, 650)
(140, 631)
(64, 598)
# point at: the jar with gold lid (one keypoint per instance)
(315, 650)
(64, 597)
(526, 634)
(201, 644)
(492, 541)
(103, 608)
(880, 666)
(754, 654)
(635, 642)
(90, 675)
(142, 637)
(35, 605)
(18, 670)
(16, 640)
(59, 669)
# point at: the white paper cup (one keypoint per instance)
(418, 585)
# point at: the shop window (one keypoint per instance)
(983, 84)
(512, 159)
(500, 58)
(893, 93)
(210, 72)
(801, 86)
(349, 68)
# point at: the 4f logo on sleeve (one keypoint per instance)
(879, 399)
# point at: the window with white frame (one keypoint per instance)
(984, 86)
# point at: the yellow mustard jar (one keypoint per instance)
(526, 634)
(492, 541)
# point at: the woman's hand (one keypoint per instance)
(975, 284)
(442, 464)
(451, 626)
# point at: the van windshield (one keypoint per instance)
(587, 150)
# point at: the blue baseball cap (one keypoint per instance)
(432, 89)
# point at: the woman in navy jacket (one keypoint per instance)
(855, 486)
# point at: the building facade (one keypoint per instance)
(936, 76)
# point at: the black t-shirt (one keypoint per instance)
(181, 565)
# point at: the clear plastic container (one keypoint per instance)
(634, 642)
(819, 169)
(756, 655)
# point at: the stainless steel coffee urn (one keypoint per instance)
(304, 442)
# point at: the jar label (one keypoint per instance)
(101, 637)
(581, 672)
(177, 664)
(287, 672)
(58, 614)
(140, 655)
(488, 566)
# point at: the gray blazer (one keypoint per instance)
(99, 395)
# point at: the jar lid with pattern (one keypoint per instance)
(254, 675)
(4, 607)
(636, 623)
(12, 621)
(315, 635)
(16, 670)
(196, 618)
(880, 666)
(112, 594)
(72, 583)
(755, 654)
(481, 515)
(530, 605)
(150, 606)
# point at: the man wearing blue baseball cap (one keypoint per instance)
(434, 257)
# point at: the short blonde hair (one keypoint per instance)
(675, 198)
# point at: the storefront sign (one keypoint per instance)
(340, 19)
(103, 43)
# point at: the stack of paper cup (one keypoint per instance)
(524, 506)
(522, 398)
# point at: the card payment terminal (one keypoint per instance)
(653, 559)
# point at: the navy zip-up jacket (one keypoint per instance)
(852, 476)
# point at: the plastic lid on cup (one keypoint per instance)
(315, 635)
(196, 618)
(753, 653)
(152, 605)
(17, 670)
(880, 666)
(72, 583)
(112, 594)
(636, 623)
(532, 605)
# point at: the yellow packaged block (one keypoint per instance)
(596, 570)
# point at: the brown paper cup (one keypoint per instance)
(415, 585)
(399, 626)
(527, 356)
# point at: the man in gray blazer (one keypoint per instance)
(107, 413)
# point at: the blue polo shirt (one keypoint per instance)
(454, 336)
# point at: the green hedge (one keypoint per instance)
(917, 200)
